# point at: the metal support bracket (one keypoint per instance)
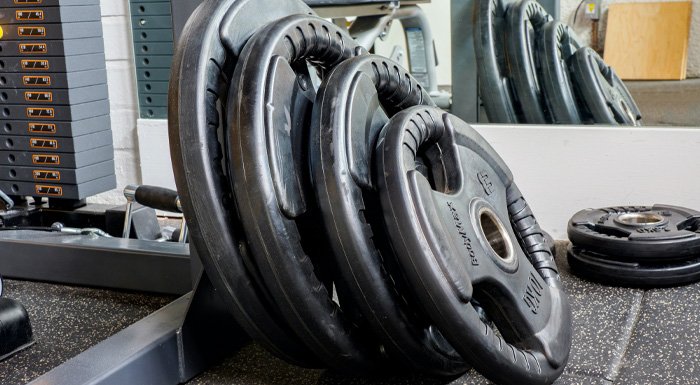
(170, 346)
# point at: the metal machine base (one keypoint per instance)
(170, 346)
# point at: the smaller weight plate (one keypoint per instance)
(343, 138)
(462, 231)
(525, 20)
(638, 233)
(556, 43)
(603, 93)
(611, 271)
(489, 44)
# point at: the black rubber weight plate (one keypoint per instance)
(202, 65)
(610, 271)
(525, 20)
(343, 137)
(489, 44)
(270, 106)
(638, 233)
(604, 94)
(556, 43)
(462, 231)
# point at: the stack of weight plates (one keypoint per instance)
(352, 225)
(55, 136)
(636, 245)
(533, 69)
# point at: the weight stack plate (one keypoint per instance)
(60, 97)
(57, 64)
(153, 53)
(53, 80)
(89, 29)
(43, 14)
(44, 3)
(56, 144)
(58, 175)
(54, 128)
(36, 48)
(55, 134)
(60, 190)
(47, 159)
(55, 112)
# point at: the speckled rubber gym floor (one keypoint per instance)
(621, 336)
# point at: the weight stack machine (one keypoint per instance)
(55, 134)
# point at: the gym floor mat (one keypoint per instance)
(621, 336)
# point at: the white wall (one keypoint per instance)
(121, 79)
(562, 170)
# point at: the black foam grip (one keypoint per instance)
(159, 198)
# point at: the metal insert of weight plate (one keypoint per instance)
(604, 94)
(525, 19)
(495, 88)
(556, 43)
(269, 107)
(203, 62)
(462, 231)
(342, 144)
(614, 271)
(638, 233)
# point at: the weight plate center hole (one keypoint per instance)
(496, 235)
(640, 219)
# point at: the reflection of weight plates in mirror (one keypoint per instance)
(342, 144)
(525, 20)
(491, 63)
(203, 64)
(636, 245)
(532, 69)
(452, 213)
(604, 95)
(557, 43)
(270, 104)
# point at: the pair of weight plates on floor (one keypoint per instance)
(636, 246)
(533, 69)
(267, 256)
